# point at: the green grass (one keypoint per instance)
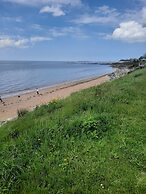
(92, 142)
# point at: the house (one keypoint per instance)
(141, 65)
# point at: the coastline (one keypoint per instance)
(29, 99)
(51, 87)
(44, 74)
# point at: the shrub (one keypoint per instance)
(50, 108)
(54, 105)
(14, 134)
(72, 127)
(96, 126)
(92, 126)
(22, 112)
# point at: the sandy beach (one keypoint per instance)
(29, 100)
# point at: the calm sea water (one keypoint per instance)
(20, 76)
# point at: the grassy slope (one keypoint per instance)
(92, 142)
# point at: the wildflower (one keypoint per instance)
(102, 186)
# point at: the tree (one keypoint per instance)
(142, 57)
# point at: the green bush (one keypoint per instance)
(50, 108)
(96, 126)
(22, 112)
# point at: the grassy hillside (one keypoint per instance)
(92, 142)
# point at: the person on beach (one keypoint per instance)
(37, 91)
(1, 99)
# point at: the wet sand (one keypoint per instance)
(30, 100)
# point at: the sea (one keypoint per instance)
(18, 76)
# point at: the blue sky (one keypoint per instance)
(72, 29)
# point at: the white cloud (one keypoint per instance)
(130, 31)
(44, 2)
(88, 19)
(138, 15)
(48, 6)
(37, 27)
(6, 41)
(112, 16)
(55, 10)
(39, 39)
(105, 10)
(9, 42)
(144, 15)
(102, 15)
(67, 31)
(11, 19)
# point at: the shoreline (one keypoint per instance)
(62, 84)
(29, 99)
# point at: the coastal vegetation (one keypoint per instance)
(91, 142)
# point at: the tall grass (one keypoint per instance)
(92, 142)
(21, 112)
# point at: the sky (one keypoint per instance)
(62, 30)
